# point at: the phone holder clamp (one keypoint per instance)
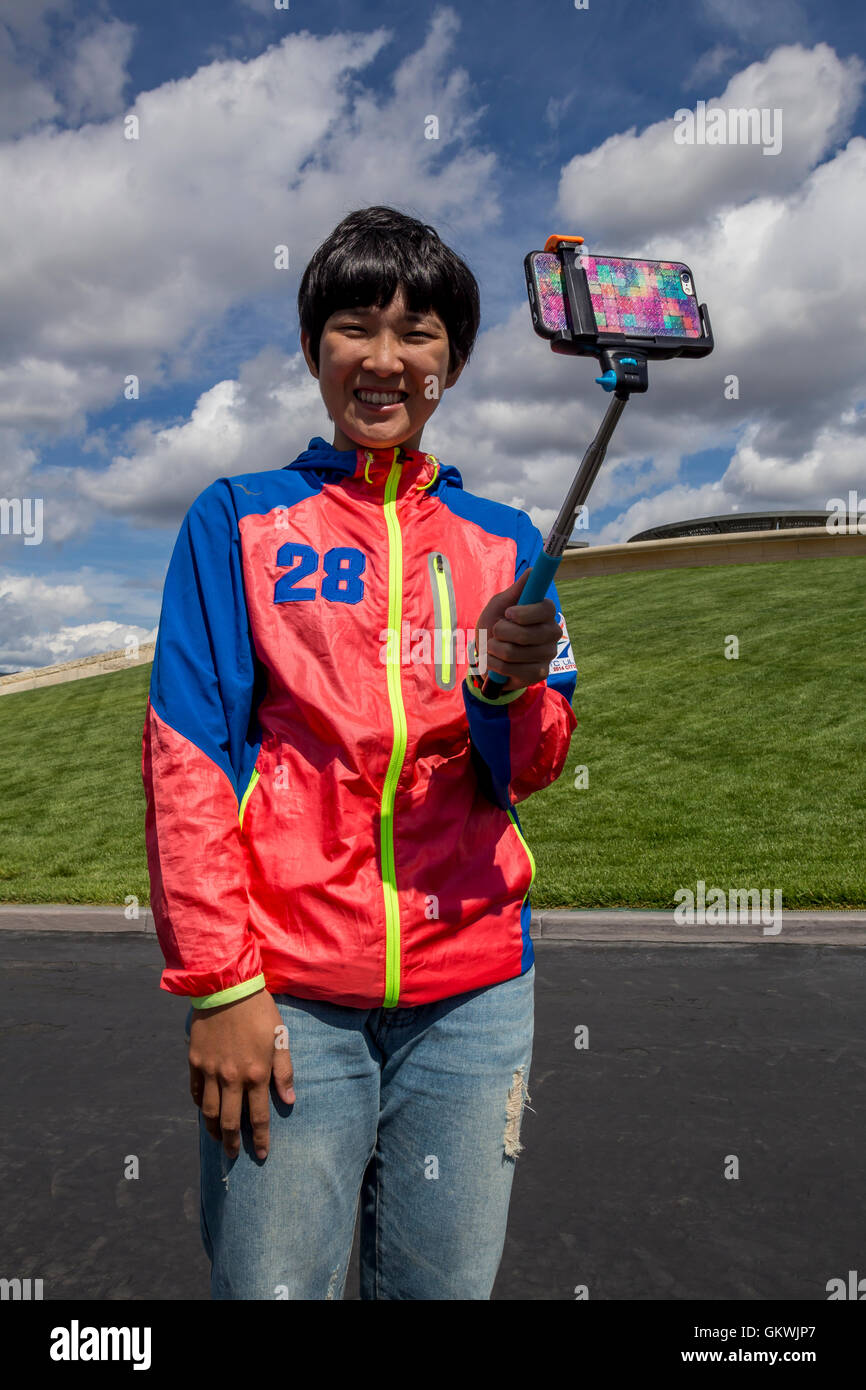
(624, 372)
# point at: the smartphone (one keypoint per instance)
(584, 303)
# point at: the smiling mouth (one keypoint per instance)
(380, 398)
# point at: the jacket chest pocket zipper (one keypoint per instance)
(444, 620)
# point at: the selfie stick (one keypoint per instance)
(625, 371)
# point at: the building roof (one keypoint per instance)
(737, 521)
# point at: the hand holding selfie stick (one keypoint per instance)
(624, 372)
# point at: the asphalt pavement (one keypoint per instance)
(704, 1055)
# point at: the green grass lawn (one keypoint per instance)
(72, 809)
(745, 773)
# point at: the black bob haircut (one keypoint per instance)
(372, 252)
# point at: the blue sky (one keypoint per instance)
(261, 126)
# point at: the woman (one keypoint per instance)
(338, 877)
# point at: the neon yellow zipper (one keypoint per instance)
(246, 795)
(398, 750)
(445, 610)
(526, 847)
(443, 603)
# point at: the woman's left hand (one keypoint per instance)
(520, 647)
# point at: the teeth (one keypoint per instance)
(380, 397)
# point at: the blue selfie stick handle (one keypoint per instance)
(534, 590)
(539, 581)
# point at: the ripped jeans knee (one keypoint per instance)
(518, 1098)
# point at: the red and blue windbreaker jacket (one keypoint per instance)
(329, 802)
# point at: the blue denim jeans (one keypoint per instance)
(411, 1116)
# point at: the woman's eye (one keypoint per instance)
(359, 328)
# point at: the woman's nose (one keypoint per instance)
(383, 350)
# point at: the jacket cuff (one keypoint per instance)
(231, 995)
(474, 684)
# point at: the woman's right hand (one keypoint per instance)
(233, 1049)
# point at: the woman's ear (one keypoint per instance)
(305, 349)
(452, 376)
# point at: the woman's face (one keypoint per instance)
(391, 353)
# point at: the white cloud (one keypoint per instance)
(17, 462)
(93, 86)
(66, 511)
(68, 73)
(50, 395)
(787, 298)
(678, 503)
(26, 99)
(775, 19)
(26, 19)
(261, 420)
(710, 64)
(639, 185)
(756, 482)
(42, 619)
(116, 254)
(529, 414)
(557, 107)
(833, 463)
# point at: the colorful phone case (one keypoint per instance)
(546, 270)
(643, 298)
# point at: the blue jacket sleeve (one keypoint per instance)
(199, 746)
